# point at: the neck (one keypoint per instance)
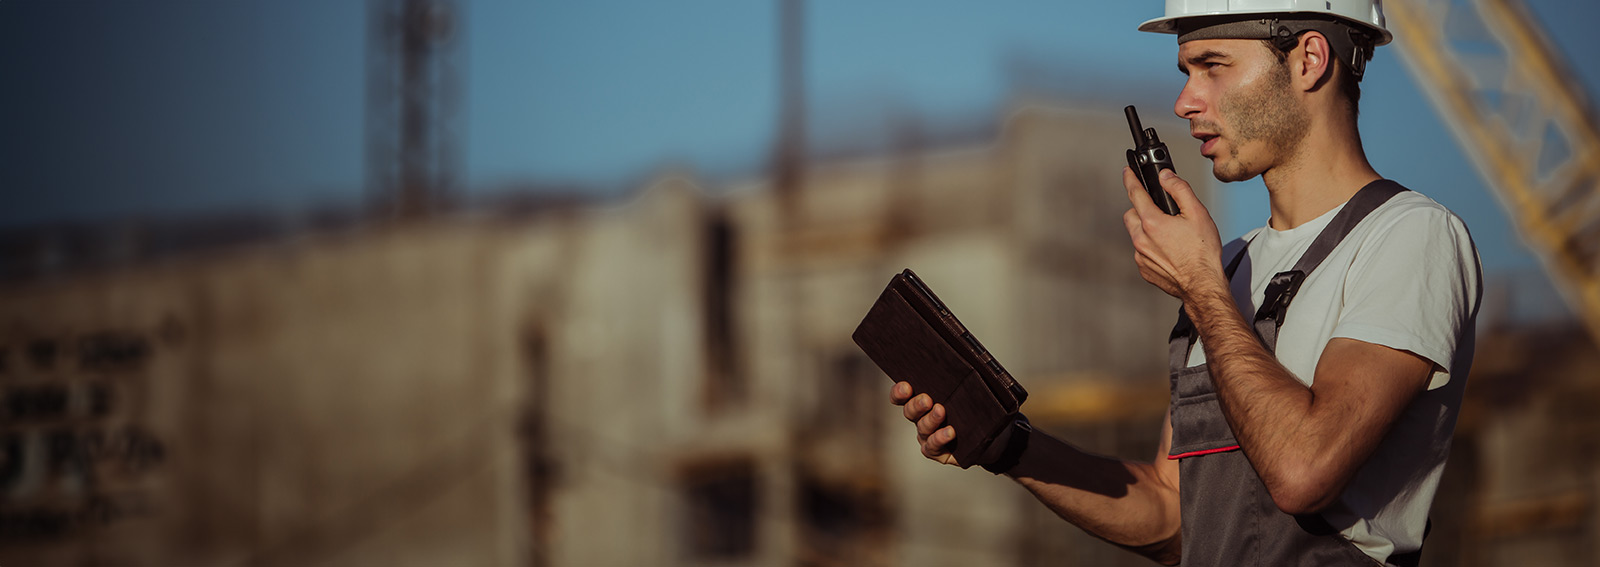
(1327, 168)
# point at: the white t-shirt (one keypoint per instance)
(1407, 277)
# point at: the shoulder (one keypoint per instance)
(1414, 238)
(1411, 280)
(1412, 218)
(1413, 207)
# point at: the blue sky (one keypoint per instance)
(113, 109)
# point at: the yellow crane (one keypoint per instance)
(1525, 121)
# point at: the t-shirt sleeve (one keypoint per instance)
(1414, 286)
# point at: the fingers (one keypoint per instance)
(932, 433)
(899, 393)
(1181, 192)
(931, 421)
(1130, 181)
(1137, 195)
(1142, 245)
(1134, 224)
(917, 407)
(933, 447)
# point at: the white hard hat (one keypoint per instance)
(1368, 14)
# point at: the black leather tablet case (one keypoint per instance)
(913, 337)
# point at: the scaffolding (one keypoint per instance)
(1526, 122)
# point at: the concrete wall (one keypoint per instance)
(323, 402)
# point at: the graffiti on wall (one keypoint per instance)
(73, 452)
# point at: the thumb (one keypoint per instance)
(1181, 192)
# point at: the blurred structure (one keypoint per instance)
(1523, 483)
(413, 98)
(788, 155)
(669, 381)
(1523, 116)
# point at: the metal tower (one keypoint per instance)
(413, 90)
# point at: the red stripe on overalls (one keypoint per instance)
(1202, 452)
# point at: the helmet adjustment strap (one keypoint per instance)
(1349, 44)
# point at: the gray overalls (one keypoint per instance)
(1229, 519)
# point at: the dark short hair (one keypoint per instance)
(1349, 83)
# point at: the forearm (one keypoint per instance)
(1123, 502)
(1273, 415)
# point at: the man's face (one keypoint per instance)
(1239, 104)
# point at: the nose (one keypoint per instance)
(1189, 103)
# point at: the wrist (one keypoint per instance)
(1205, 284)
(1012, 443)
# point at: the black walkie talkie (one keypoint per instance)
(1147, 158)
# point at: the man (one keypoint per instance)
(1312, 431)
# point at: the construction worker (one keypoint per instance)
(1319, 361)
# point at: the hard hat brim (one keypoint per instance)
(1169, 25)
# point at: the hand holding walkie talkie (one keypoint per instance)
(1147, 158)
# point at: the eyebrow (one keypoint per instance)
(1199, 58)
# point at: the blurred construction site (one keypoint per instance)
(666, 377)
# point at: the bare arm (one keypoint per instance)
(1130, 504)
(1305, 443)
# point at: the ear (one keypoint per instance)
(1312, 62)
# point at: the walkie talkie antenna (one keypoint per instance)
(1133, 124)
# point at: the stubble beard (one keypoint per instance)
(1268, 113)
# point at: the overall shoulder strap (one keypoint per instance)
(1280, 292)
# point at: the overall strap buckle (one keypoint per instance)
(1275, 305)
(1280, 293)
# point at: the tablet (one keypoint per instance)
(915, 338)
